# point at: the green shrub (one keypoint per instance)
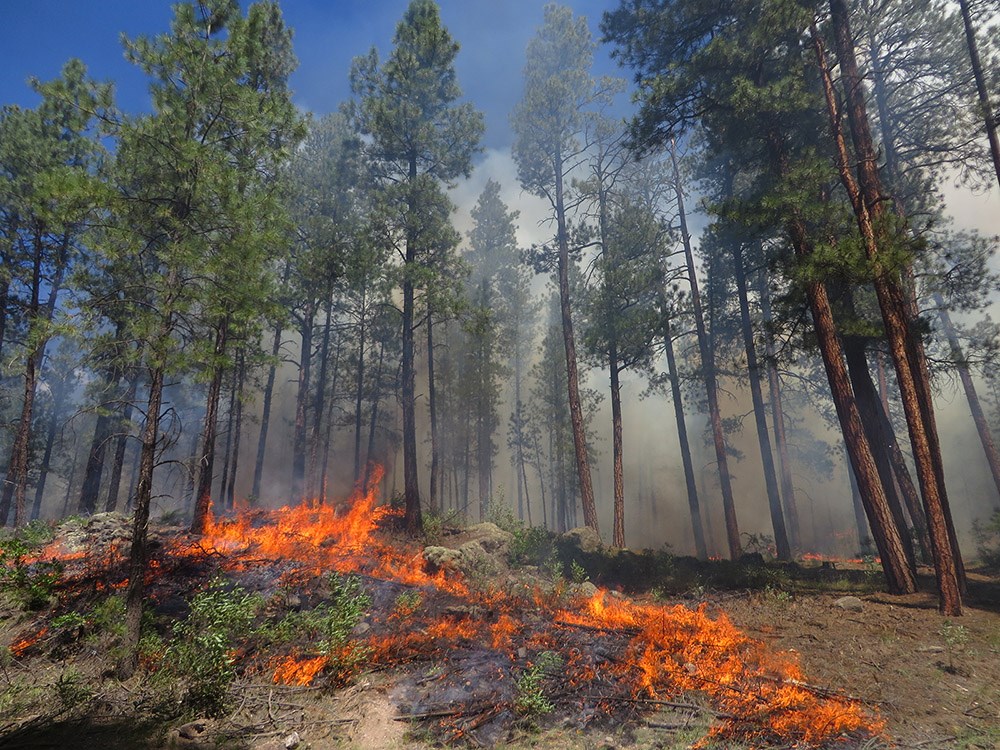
(531, 701)
(201, 653)
(32, 584)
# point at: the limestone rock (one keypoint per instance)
(850, 604)
(584, 538)
(489, 536)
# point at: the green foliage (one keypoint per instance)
(69, 621)
(407, 603)
(202, 651)
(30, 583)
(577, 573)
(955, 637)
(72, 690)
(531, 701)
(531, 545)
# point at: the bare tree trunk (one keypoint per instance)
(411, 482)
(976, 409)
(989, 119)
(58, 402)
(432, 406)
(778, 423)
(569, 343)
(708, 372)
(206, 464)
(904, 342)
(315, 483)
(121, 443)
(618, 534)
(682, 437)
(301, 404)
(139, 551)
(237, 430)
(359, 385)
(265, 419)
(784, 551)
(373, 422)
(329, 421)
(227, 451)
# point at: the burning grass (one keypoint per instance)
(471, 662)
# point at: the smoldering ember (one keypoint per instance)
(617, 374)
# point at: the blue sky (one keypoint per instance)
(37, 36)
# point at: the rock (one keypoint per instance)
(586, 589)
(193, 734)
(584, 538)
(489, 536)
(442, 557)
(361, 628)
(292, 741)
(850, 604)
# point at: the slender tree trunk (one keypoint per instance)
(373, 422)
(781, 544)
(139, 551)
(411, 483)
(69, 484)
(301, 404)
(905, 346)
(618, 535)
(58, 402)
(237, 430)
(791, 504)
(432, 406)
(227, 451)
(91, 488)
(265, 419)
(708, 372)
(522, 476)
(329, 421)
(4, 301)
(868, 407)
(16, 481)
(569, 343)
(989, 119)
(359, 385)
(315, 483)
(976, 409)
(206, 463)
(682, 438)
(121, 443)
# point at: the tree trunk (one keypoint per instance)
(411, 483)
(985, 436)
(138, 558)
(989, 118)
(121, 443)
(682, 438)
(206, 464)
(618, 534)
(58, 401)
(904, 342)
(301, 404)
(265, 419)
(16, 481)
(708, 372)
(432, 406)
(868, 407)
(899, 576)
(227, 451)
(91, 488)
(569, 343)
(778, 423)
(781, 544)
(373, 422)
(318, 406)
(359, 386)
(237, 431)
(324, 474)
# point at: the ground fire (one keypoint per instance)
(465, 652)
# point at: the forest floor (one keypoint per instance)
(933, 683)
